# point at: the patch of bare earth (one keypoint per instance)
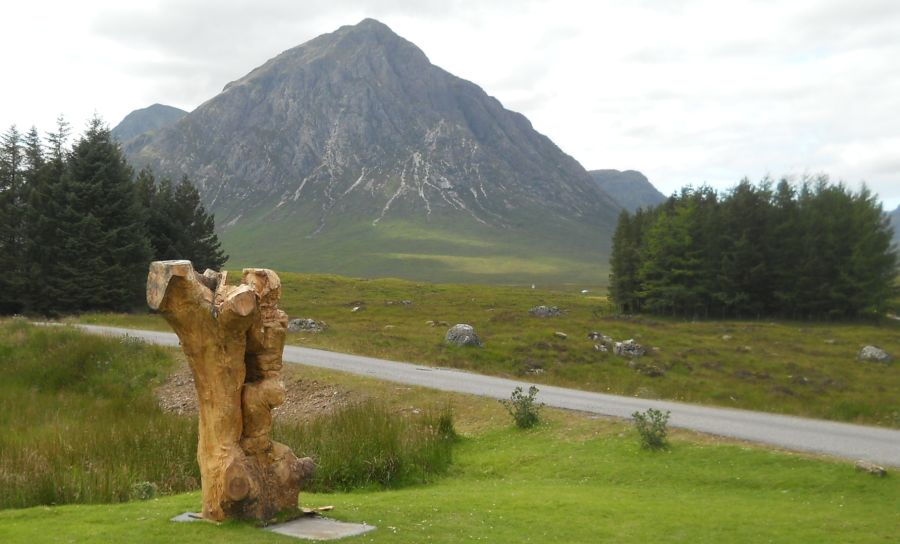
(304, 399)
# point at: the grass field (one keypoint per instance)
(574, 478)
(790, 367)
(441, 249)
(79, 424)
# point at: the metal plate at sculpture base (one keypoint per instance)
(308, 527)
(317, 528)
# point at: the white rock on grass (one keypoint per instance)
(872, 353)
(462, 334)
(629, 348)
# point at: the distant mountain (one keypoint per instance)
(895, 222)
(146, 120)
(353, 154)
(630, 188)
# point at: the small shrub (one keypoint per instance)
(652, 428)
(143, 491)
(522, 407)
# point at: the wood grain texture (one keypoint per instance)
(233, 337)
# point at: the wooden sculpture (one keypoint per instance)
(233, 337)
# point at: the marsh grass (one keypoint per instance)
(79, 424)
(367, 445)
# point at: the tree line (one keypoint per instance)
(78, 228)
(817, 250)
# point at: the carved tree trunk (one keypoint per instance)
(233, 338)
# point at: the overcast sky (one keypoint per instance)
(687, 92)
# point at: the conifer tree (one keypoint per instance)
(103, 191)
(786, 249)
(44, 236)
(623, 263)
(94, 225)
(820, 252)
(178, 224)
(199, 242)
(11, 234)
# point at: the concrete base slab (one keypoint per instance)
(188, 517)
(315, 528)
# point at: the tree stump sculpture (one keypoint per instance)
(233, 337)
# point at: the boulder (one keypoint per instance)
(305, 324)
(545, 311)
(871, 468)
(872, 353)
(629, 348)
(462, 334)
(560, 334)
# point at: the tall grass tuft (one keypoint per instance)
(365, 444)
(79, 424)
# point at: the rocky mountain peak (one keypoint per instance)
(358, 127)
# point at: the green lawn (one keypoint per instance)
(569, 481)
(792, 367)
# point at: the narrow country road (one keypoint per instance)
(879, 445)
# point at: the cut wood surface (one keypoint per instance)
(233, 337)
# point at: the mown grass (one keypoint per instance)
(79, 424)
(791, 367)
(572, 480)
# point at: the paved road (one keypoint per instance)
(840, 439)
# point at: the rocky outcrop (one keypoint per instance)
(462, 334)
(873, 354)
(306, 324)
(629, 348)
(545, 311)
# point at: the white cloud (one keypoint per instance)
(687, 92)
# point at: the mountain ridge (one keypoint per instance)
(355, 129)
(147, 120)
(894, 217)
(629, 188)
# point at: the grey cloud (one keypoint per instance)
(208, 43)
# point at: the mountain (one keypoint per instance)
(354, 154)
(146, 120)
(895, 222)
(630, 189)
